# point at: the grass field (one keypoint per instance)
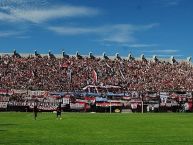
(96, 129)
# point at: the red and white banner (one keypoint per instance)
(108, 104)
(38, 93)
(126, 98)
(4, 99)
(90, 99)
(19, 91)
(66, 100)
(3, 104)
(47, 108)
(77, 105)
(188, 106)
(6, 92)
(134, 105)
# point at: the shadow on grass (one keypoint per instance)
(8, 124)
(1, 130)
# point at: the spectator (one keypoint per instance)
(71, 74)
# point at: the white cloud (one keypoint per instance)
(18, 12)
(168, 51)
(123, 37)
(38, 16)
(6, 17)
(9, 33)
(140, 45)
(165, 55)
(23, 37)
(33, 12)
(72, 30)
(119, 33)
(170, 3)
(124, 33)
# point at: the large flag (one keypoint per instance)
(65, 64)
(94, 74)
(69, 74)
(6, 92)
(108, 65)
(123, 77)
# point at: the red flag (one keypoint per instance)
(94, 76)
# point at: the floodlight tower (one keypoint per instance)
(117, 56)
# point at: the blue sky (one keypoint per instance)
(149, 27)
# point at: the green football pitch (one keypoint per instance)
(96, 128)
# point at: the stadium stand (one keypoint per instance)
(73, 73)
(34, 75)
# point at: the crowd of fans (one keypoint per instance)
(50, 73)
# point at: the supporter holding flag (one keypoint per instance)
(123, 77)
(69, 74)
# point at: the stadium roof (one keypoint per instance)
(188, 59)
